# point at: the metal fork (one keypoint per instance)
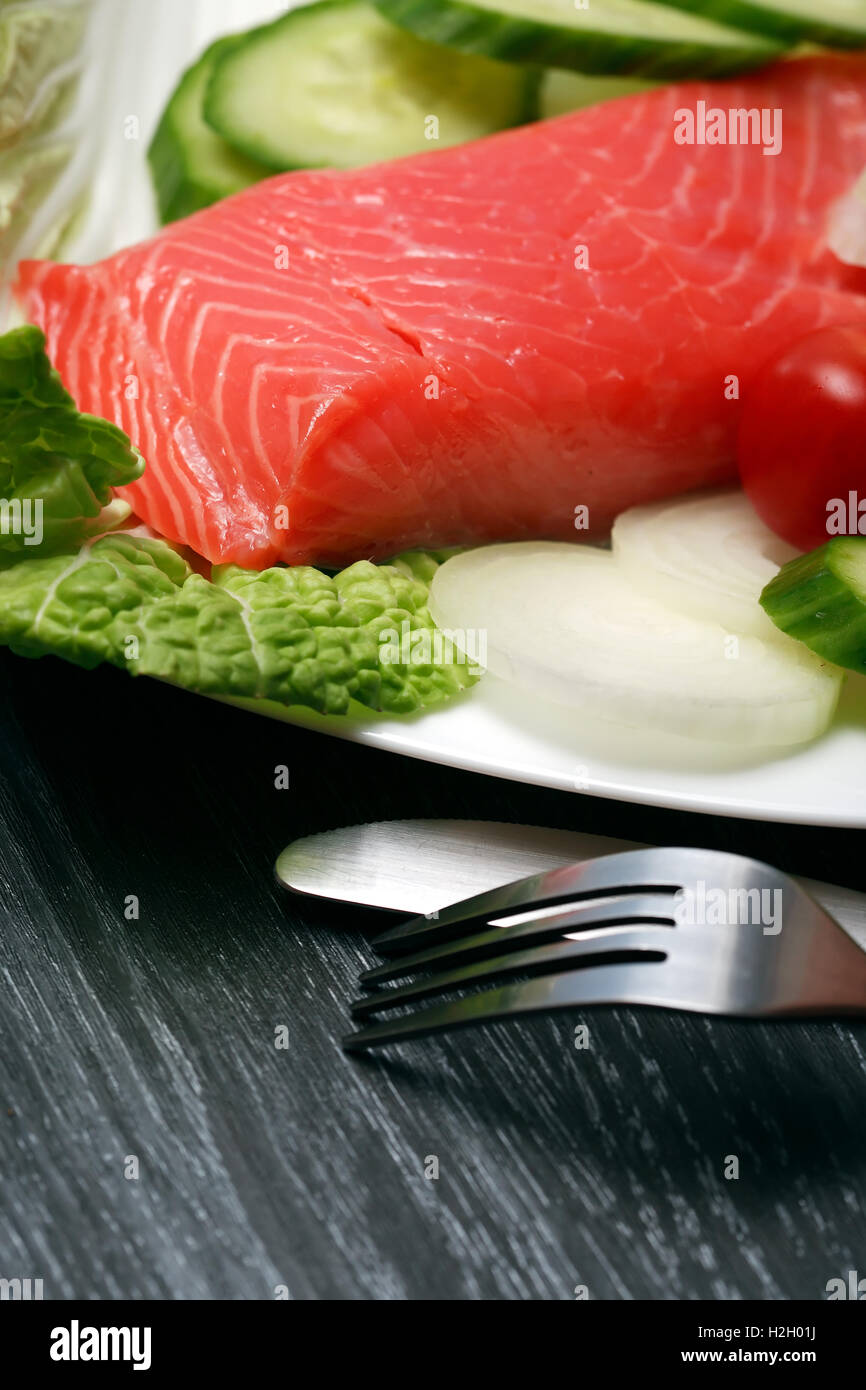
(671, 928)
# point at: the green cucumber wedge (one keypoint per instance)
(190, 165)
(563, 91)
(820, 598)
(335, 84)
(839, 23)
(595, 36)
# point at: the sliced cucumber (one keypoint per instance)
(598, 36)
(820, 598)
(563, 91)
(840, 23)
(335, 84)
(190, 165)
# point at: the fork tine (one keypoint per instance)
(633, 871)
(597, 948)
(606, 984)
(496, 941)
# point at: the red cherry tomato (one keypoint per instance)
(802, 443)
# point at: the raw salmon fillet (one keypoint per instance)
(333, 365)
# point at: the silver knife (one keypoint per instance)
(421, 866)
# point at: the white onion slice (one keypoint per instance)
(708, 555)
(846, 229)
(566, 623)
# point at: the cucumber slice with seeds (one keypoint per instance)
(600, 36)
(336, 84)
(190, 165)
(820, 598)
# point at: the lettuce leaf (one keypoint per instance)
(51, 454)
(293, 635)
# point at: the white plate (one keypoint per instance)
(493, 729)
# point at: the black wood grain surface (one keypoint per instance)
(155, 1142)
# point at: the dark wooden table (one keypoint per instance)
(259, 1166)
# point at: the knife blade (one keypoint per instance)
(421, 866)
